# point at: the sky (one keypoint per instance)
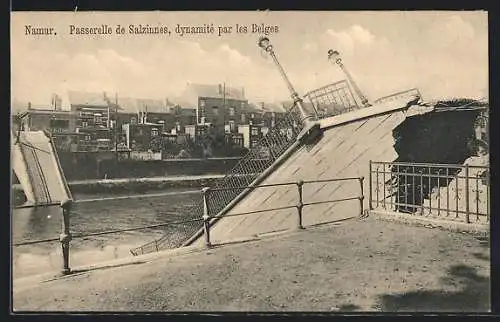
(444, 54)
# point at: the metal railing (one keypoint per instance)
(205, 219)
(210, 209)
(35, 173)
(333, 99)
(402, 94)
(267, 150)
(448, 191)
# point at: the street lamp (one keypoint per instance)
(334, 57)
(266, 45)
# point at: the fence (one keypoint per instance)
(448, 191)
(332, 99)
(403, 94)
(205, 220)
(275, 142)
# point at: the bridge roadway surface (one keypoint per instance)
(354, 265)
(36, 166)
(349, 141)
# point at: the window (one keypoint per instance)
(154, 132)
(202, 121)
(87, 137)
(215, 110)
(232, 126)
(231, 111)
(133, 120)
(202, 103)
(85, 124)
(243, 118)
(98, 119)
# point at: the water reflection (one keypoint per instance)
(36, 223)
(30, 224)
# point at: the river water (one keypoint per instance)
(91, 217)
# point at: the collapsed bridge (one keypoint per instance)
(338, 133)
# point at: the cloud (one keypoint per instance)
(450, 31)
(310, 47)
(159, 71)
(348, 39)
(446, 56)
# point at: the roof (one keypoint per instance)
(85, 98)
(48, 111)
(266, 107)
(203, 90)
(273, 107)
(152, 105)
(134, 105)
(188, 111)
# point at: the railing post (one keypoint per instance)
(370, 185)
(300, 205)
(206, 217)
(65, 236)
(467, 214)
(362, 196)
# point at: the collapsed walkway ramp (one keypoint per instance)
(348, 143)
(36, 164)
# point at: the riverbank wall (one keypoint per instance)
(129, 185)
(143, 184)
(85, 166)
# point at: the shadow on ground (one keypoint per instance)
(474, 295)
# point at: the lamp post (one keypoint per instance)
(266, 45)
(334, 57)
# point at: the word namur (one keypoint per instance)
(30, 30)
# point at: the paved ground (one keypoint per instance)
(352, 266)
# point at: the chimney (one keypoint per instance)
(29, 105)
(220, 89)
(56, 102)
(243, 92)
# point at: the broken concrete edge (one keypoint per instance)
(432, 222)
(374, 110)
(60, 172)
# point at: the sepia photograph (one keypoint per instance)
(250, 161)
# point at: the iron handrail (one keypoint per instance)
(209, 218)
(64, 239)
(428, 165)
(434, 189)
(108, 232)
(249, 168)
